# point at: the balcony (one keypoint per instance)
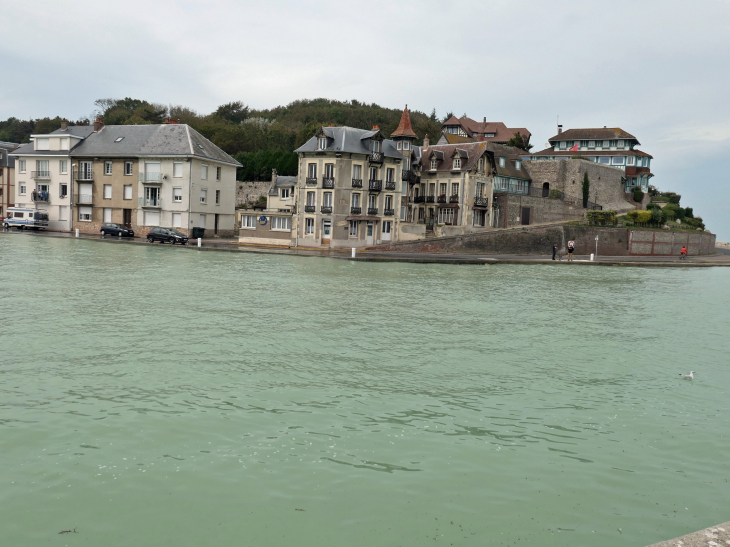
(357, 183)
(40, 196)
(372, 210)
(310, 208)
(441, 199)
(376, 157)
(454, 199)
(155, 178)
(328, 183)
(355, 211)
(83, 199)
(419, 199)
(430, 199)
(326, 209)
(84, 174)
(311, 181)
(408, 176)
(152, 203)
(390, 185)
(389, 212)
(481, 202)
(40, 175)
(375, 185)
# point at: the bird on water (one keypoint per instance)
(690, 376)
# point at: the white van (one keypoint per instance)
(24, 217)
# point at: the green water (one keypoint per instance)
(158, 396)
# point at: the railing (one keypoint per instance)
(372, 210)
(150, 202)
(409, 176)
(149, 177)
(390, 185)
(481, 202)
(326, 209)
(441, 199)
(419, 199)
(310, 208)
(84, 174)
(376, 157)
(355, 210)
(357, 183)
(328, 183)
(430, 199)
(388, 212)
(375, 185)
(311, 180)
(40, 196)
(83, 198)
(40, 175)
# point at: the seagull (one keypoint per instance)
(690, 376)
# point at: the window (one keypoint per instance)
(128, 168)
(630, 160)
(618, 160)
(85, 214)
(217, 197)
(501, 162)
(127, 191)
(388, 202)
(177, 169)
(455, 189)
(648, 162)
(21, 189)
(284, 193)
(329, 170)
(281, 223)
(327, 199)
(374, 173)
(64, 143)
(353, 228)
(357, 172)
(63, 190)
(606, 144)
(201, 222)
(403, 212)
(406, 145)
(399, 145)
(43, 144)
(63, 167)
(119, 139)
(177, 195)
(518, 165)
(446, 215)
(203, 172)
(372, 201)
(481, 164)
(107, 192)
(311, 198)
(604, 159)
(375, 146)
(457, 163)
(356, 200)
(22, 166)
(591, 144)
(431, 189)
(390, 174)
(309, 226)
(248, 221)
(107, 168)
(404, 188)
(434, 163)
(442, 189)
(177, 220)
(620, 144)
(203, 195)
(151, 218)
(107, 214)
(63, 213)
(217, 173)
(479, 217)
(312, 171)
(563, 145)
(322, 143)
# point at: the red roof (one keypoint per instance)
(404, 127)
(501, 132)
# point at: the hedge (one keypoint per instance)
(601, 218)
(641, 217)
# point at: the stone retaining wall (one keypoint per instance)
(251, 191)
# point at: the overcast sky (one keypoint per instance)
(657, 69)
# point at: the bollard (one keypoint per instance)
(591, 257)
(200, 242)
(77, 232)
(119, 235)
(353, 252)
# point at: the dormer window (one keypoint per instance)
(563, 145)
(43, 144)
(490, 135)
(481, 164)
(518, 165)
(434, 164)
(64, 143)
(591, 144)
(457, 163)
(607, 144)
(375, 146)
(620, 144)
(322, 143)
(501, 162)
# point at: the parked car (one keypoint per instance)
(166, 234)
(109, 228)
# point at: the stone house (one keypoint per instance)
(153, 175)
(7, 176)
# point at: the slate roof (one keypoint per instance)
(351, 140)
(82, 131)
(151, 140)
(511, 154)
(445, 152)
(404, 128)
(593, 134)
(6, 160)
(552, 152)
(27, 150)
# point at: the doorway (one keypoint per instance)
(127, 217)
(215, 224)
(151, 196)
(326, 231)
(545, 189)
(525, 216)
(386, 230)
(369, 234)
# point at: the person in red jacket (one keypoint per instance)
(683, 253)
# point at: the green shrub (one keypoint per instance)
(673, 198)
(631, 215)
(658, 216)
(652, 206)
(555, 194)
(669, 213)
(674, 211)
(602, 218)
(688, 213)
(695, 222)
(638, 194)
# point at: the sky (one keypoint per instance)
(656, 68)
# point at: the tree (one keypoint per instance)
(519, 141)
(586, 189)
(234, 112)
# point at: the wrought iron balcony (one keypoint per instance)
(311, 181)
(481, 202)
(408, 176)
(357, 183)
(376, 157)
(84, 174)
(40, 196)
(153, 203)
(355, 210)
(389, 212)
(390, 185)
(328, 182)
(40, 175)
(441, 199)
(454, 199)
(419, 199)
(375, 185)
(372, 210)
(326, 209)
(430, 199)
(310, 208)
(83, 199)
(150, 177)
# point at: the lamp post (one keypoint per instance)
(596, 246)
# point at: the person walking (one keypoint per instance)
(555, 250)
(571, 248)
(683, 253)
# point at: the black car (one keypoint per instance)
(112, 229)
(166, 234)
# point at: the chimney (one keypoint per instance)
(425, 142)
(375, 128)
(64, 124)
(273, 176)
(560, 129)
(485, 119)
(172, 121)
(98, 124)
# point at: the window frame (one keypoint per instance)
(131, 192)
(175, 196)
(104, 192)
(217, 197)
(204, 172)
(308, 226)
(204, 196)
(108, 167)
(246, 225)
(63, 167)
(353, 229)
(175, 166)
(128, 168)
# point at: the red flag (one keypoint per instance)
(574, 149)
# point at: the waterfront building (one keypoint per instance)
(610, 146)
(153, 175)
(271, 224)
(7, 176)
(348, 187)
(460, 130)
(43, 174)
